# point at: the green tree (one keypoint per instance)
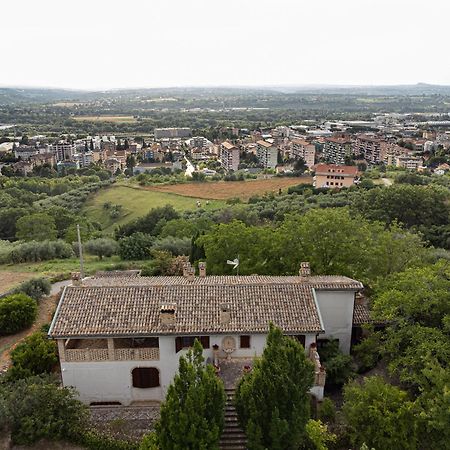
(273, 399)
(36, 227)
(102, 247)
(192, 415)
(380, 415)
(17, 312)
(137, 246)
(37, 408)
(33, 356)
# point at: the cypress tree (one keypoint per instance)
(192, 415)
(272, 400)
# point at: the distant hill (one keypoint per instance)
(46, 95)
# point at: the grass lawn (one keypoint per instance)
(57, 267)
(136, 202)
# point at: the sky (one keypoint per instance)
(107, 44)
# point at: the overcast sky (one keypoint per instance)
(93, 44)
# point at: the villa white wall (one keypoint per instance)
(336, 309)
(108, 381)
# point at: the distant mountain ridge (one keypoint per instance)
(11, 95)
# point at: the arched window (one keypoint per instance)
(145, 377)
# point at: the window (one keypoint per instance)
(145, 377)
(244, 341)
(300, 338)
(188, 341)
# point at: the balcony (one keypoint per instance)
(102, 350)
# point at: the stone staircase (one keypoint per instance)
(233, 438)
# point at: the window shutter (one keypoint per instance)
(301, 338)
(204, 340)
(178, 344)
(244, 341)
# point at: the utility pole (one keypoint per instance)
(80, 250)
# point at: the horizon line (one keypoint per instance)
(225, 86)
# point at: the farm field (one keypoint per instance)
(223, 190)
(116, 119)
(136, 202)
(10, 279)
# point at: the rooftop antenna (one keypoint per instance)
(235, 264)
(80, 251)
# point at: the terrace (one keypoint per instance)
(109, 349)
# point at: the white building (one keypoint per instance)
(229, 156)
(120, 338)
(267, 154)
(63, 151)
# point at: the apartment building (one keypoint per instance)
(408, 162)
(372, 148)
(335, 176)
(63, 151)
(336, 149)
(303, 149)
(162, 133)
(267, 154)
(229, 156)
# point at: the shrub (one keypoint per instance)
(95, 441)
(319, 435)
(136, 246)
(327, 410)
(36, 408)
(338, 366)
(17, 312)
(35, 288)
(102, 247)
(380, 415)
(367, 352)
(34, 356)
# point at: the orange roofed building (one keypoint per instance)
(335, 176)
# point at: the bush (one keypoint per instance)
(327, 410)
(34, 356)
(17, 312)
(36, 408)
(136, 246)
(102, 247)
(338, 366)
(35, 288)
(380, 415)
(95, 441)
(367, 352)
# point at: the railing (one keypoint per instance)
(145, 354)
(86, 354)
(103, 354)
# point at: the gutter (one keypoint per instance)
(49, 334)
(318, 310)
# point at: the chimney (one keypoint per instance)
(186, 266)
(202, 269)
(167, 314)
(360, 299)
(225, 315)
(76, 278)
(305, 270)
(191, 274)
